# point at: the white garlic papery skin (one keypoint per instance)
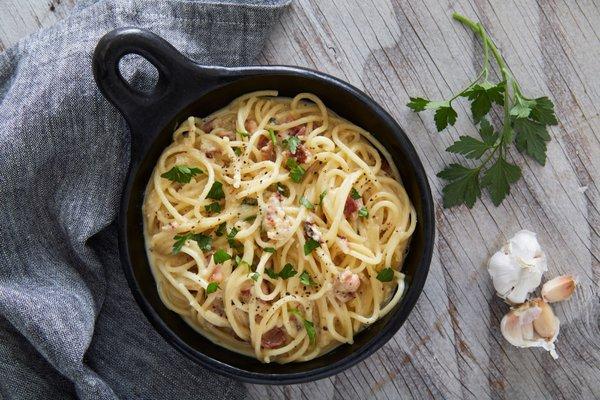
(532, 324)
(517, 268)
(559, 288)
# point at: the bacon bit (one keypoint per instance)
(345, 286)
(208, 126)
(273, 338)
(301, 154)
(217, 307)
(265, 145)
(217, 275)
(250, 125)
(351, 206)
(298, 130)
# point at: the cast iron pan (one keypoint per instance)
(185, 88)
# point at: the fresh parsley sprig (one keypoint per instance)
(525, 121)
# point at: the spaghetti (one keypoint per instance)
(276, 228)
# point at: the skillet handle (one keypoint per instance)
(139, 109)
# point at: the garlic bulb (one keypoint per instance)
(517, 268)
(559, 288)
(532, 324)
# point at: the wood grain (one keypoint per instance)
(451, 346)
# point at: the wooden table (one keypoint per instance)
(451, 346)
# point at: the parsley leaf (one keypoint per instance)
(216, 191)
(204, 242)
(354, 194)
(469, 147)
(292, 143)
(310, 331)
(482, 96)
(213, 207)
(236, 244)
(543, 111)
(254, 276)
(322, 196)
(486, 131)
(221, 256)
(363, 212)
(385, 275)
(498, 178)
(417, 104)
(444, 116)
(306, 203)
(220, 231)
(181, 173)
(463, 186)
(296, 171)
(531, 138)
(306, 279)
(271, 272)
(272, 136)
(288, 271)
(310, 245)
(269, 249)
(237, 151)
(212, 287)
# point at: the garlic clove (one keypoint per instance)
(532, 324)
(559, 288)
(525, 246)
(504, 273)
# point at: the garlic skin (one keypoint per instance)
(517, 268)
(559, 288)
(532, 324)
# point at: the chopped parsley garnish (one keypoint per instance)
(181, 173)
(242, 133)
(272, 136)
(271, 272)
(306, 203)
(204, 242)
(296, 171)
(250, 201)
(220, 231)
(310, 245)
(354, 194)
(322, 196)
(308, 325)
(221, 256)
(269, 249)
(287, 272)
(363, 212)
(385, 275)
(216, 191)
(237, 151)
(236, 244)
(254, 276)
(213, 207)
(306, 279)
(292, 143)
(212, 287)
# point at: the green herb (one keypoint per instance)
(250, 218)
(272, 136)
(283, 190)
(220, 231)
(216, 191)
(363, 212)
(310, 245)
(242, 133)
(385, 275)
(221, 256)
(181, 173)
(292, 143)
(269, 249)
(236, 244)
(525, 122)
(308, 325)
(213, 207)
(204, 242)
(288, 271)
(237, 151)
(296, 171)
(306, 279)
(271, 272)
(250, 201)
(322, 196)
(254, 276)
(354, 194)
(306, 203)
(212, 287)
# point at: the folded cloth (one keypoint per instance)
(68, 323)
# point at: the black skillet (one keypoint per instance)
(185, 88)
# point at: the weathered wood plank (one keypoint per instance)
(451, 346)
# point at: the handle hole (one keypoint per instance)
(139, 73)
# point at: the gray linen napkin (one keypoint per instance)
(68, 323)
